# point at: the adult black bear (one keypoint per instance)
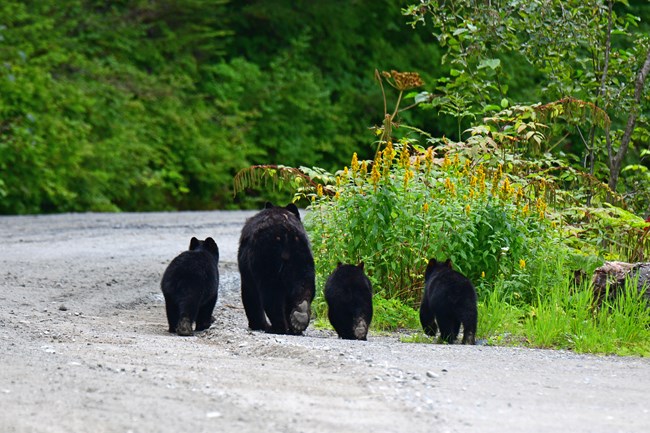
(190, 285)
(348, 293)
(449, 300)
(277, 271)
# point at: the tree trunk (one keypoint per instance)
(616, 159)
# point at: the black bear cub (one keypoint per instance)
(277, 271)
(348, 294)
(449, 300)
(190, 285)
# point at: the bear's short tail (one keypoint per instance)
(360, 329)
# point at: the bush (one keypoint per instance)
(396, 212)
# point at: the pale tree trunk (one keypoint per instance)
(616, 158)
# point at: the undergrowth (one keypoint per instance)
(517, 227)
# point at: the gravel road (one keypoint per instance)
(84, 348)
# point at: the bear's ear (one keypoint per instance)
(268, 205)
(360, 265)
(293, 209)
(194, 243)
(211, 245)
(339, 264)
(448, 263)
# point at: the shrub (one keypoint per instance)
(406, 206)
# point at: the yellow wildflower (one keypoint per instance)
(418, 162)
(519, 195)
(449, 186)
(522, 263)
(408, 174)
(446, 162)
(466, 167)
(429, 155)
(405, 158)
(506, 189)
(481, 179)
(354, 165)
(389, 152)
(375, 176)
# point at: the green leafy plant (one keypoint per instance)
(399, 210)
(588, 50)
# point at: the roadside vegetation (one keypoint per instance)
(500, 196)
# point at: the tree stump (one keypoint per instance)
(614, 275)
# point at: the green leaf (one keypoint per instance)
(490, 63)
(422, 97)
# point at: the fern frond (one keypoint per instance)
(280, 177)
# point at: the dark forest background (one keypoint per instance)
(156, 105)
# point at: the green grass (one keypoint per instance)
(564, 318)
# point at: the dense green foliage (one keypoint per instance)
(589, 50)
(102, 110)
(399, 213)
(156, 105)
(144, 105)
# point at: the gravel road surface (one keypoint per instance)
(84, 348)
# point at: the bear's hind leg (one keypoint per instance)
(184, 327)
(276, 311)
(469, 327)
(172, 313)
(449, 327)
(252, 300)
(204, 318)
(188, 311)
(360, 328)
(428, 320)
(299, 317)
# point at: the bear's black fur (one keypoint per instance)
(449, 300)
(348, 293)
(277, 271)
(190, 285)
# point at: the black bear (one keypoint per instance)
(348, 294)
(190, 285)
(449, 300)
(277, 271)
